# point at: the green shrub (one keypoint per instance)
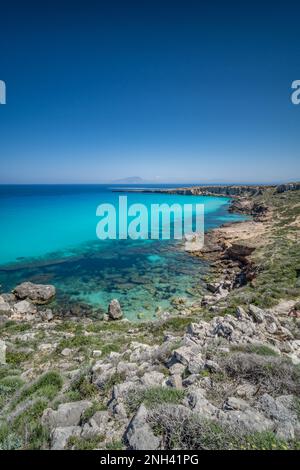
(260, 349)
(27, 425)
(8, 386)
(115, 445)
(16, 358)
(15, 327)
(82, 387)
(9, 440)
(37, 437)
(188, 431)
(152, 397)
(263, 441)
(276, 375)
(46, 386)
(80, 443)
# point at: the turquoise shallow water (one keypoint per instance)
(48, 234)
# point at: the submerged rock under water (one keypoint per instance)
(144, 277)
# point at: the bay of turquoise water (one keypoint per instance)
(48, 235)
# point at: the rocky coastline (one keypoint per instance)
(223, 374)
(218, 190)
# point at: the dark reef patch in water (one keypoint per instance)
(143, 275)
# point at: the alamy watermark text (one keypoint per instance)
(295, 97)
(157, 221)
(2, 92)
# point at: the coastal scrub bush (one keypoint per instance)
(8, 386)
(188, 431)
(6, 370)
(47, 386)
(69, 326)
(260, 349)
(77, 341)
(296, 406)
(115, 445)
(264, 441)
(36, 437)
(110, 347)
(27, 426)
(80, 443)
(14, 327)
(8, 439)
(275, 375)
(152, 397)
(85, 343)
(16, 358)
(82, 388)
(171, 325)
(114, 327)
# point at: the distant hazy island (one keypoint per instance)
(130, 180)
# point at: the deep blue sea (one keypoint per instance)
(48, 235)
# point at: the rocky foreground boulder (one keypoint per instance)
(36, 293)
(67, 414)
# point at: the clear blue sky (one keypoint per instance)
(167, 90)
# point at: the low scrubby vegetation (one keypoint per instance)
(46, 386)
(152, 396)
(187, 431)
(275, 375)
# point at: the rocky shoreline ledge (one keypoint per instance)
(231, 190)
(225, 374)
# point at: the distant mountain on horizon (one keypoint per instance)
(130, 180)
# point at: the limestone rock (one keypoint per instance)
(152, 379)
(37, 293)
(25, 308)
(279, 409)
(61, 435)
(99, 424)
(256, 313)
(212, 366)
(47, 315)
(241, 314)
(200, 404)
(97, 353)
(248, 421)
(184, 355)
(122, 389)
(67, 414)
(5, 308)
(114, 310)
(176, 369)
(196, 365)
(66, 352)
(2, 352)
(233, 403)
(193, 242)
(175, 381)
(246, 390)
(139, 434)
